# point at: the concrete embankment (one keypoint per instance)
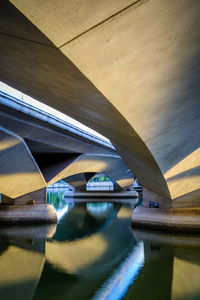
(34, 214)
(105, 195)
(173, 219)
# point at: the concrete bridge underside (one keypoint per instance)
(129, 70)
(34, 154)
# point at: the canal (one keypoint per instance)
(93, 253)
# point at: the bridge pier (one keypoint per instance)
(29, 208)
(156, 212)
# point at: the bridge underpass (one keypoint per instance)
(135, 88)
(38, 149)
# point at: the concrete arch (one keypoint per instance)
(112, 165)
(149, 100)
(70, 92)
(79, 181)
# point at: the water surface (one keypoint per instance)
(93, 253)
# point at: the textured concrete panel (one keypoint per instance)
(75, 17)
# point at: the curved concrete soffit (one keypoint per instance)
(112, 165)
(81, 179)
(58, 82)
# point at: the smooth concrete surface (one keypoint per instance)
(144, 58)
(81, 16)
(19, 173)
(79, 181)
(13, 214)
(53, 149)
(47, 75)
(175, 219)
(108, 164)
(134, 60)
(39, 128)
(148, 196)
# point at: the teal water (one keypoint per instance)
(93, 253)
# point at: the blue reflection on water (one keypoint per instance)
(99, 210)
(118, 283)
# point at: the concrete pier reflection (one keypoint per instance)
(22, 257)
(174, 261)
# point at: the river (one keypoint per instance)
(93, 253)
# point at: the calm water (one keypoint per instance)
(92, 253)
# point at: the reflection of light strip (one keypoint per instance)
(117, 285)
(62, 212)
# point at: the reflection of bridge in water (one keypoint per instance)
(136, 263)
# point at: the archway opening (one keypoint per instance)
(100, 182)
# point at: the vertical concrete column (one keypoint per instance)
(149, 196)
(157, 212)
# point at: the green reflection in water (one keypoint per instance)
(93, 253)
(56, 198)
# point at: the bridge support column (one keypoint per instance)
(29, 208)
(157, 212)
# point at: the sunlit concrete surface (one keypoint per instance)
(112, 165)
(56, 149)
(129, 70)
(59, 83)
(19, 174)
